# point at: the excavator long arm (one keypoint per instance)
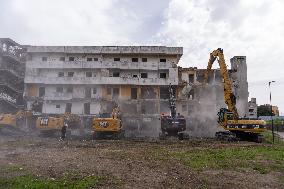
(229, 97)
(172, 101)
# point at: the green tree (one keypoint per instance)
(263, 110)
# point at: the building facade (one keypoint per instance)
(80, 79)
(12, 66)
(90, 80)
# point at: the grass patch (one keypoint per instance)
(268, 138)
(31, 182)
(263, 158)
(260, 158)
(261, 169)
(216, 158)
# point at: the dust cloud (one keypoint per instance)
(141, 118)
(203, 109)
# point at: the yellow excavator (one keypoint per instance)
(52, 125)
(16, 120)
(228, 118)
(108, 125)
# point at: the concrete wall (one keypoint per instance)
(252, 105)
(141, 118)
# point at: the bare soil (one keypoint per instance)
(125, 163)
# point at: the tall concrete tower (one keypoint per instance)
(240, 84)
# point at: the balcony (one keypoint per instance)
(99, 65)
(100, 80)
(70, 97)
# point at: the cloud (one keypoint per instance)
(142, 18)
(251, 28)
(85, 22)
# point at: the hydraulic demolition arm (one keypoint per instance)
(243, 128)
(172, 101)
(229, 97)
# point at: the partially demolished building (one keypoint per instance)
(88, 80)
(200, 103)
(12, 68)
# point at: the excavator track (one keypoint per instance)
(238, 136)
(226, 136)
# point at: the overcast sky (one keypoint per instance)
(252, 28)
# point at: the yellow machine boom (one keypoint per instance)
(229, 97)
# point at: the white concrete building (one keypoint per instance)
(82, 79)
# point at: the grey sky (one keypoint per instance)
(254, 28)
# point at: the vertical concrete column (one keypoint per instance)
(240, 84)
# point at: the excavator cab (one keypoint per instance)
(224, 115)
(221, 115)
(172, 126)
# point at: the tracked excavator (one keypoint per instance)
(49, 126)
(16, 121)
(228, 118)
(173, 124)
(108, 126)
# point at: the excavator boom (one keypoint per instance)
(172, 101)
(229, 97)
(173, 124)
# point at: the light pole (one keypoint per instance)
(271, 112)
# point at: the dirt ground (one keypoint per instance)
(125, 163)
